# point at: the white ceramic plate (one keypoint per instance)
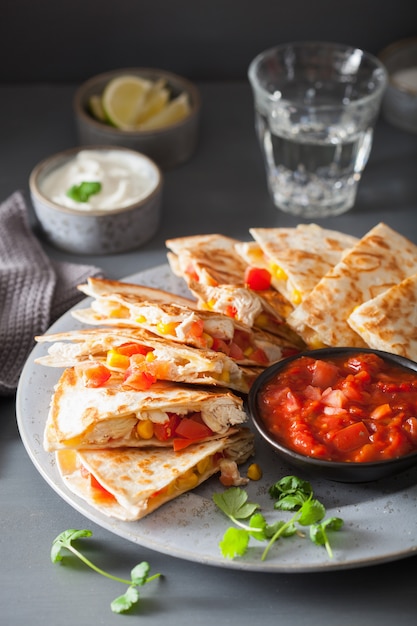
(380, 518)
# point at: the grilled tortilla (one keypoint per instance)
(177, 319)
(380, 260)
(130, 350)
(113, 415)
(298, 257)
(389, 321)
(215, 273)
(128, 484)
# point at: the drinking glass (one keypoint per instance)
(316, 104)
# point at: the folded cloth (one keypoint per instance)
(34, 290)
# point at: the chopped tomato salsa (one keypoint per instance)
(357, 408)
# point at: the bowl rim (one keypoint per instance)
(386, 54)
(65, 155)
(269, 372)
(105, 77)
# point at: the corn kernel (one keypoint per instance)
(296, 297)
(262, 320)
(119, 311)
(116, 360)
(144, 429)
(189, 480)
(150, 356)
(225, 376)
(254, 472)
(141, 319)
(203, 465)
(208, 340)
(166, 328)
(211, 304)
(278, 272)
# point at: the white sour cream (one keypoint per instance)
(125, 178)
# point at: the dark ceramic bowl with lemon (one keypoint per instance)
(146, 109)
(342, 414)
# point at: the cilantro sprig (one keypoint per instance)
(290, 494)
(139, 574)
(83, 191)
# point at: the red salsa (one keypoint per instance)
(351, 408)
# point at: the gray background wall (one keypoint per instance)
(70, 40)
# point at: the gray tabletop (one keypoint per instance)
(222, 189)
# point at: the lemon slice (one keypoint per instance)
(175, 111)
(123, 98)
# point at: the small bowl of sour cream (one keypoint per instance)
(97, 200)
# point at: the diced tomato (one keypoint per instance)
(259, 356)
(257, 278)
(230, 311)
(351, 437)
(96, 375)
(139, 379)
(191, 273)
(132, 348)
(324, 374)
(94, 483)
(236, 352)
(219, 345)
(196, 329)
(167, 429)
(192, 429)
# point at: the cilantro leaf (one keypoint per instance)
(83, 191)
(233, 502)
(234, 543)
(139, 574)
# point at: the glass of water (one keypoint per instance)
(316, 105)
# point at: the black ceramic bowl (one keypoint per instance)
(341, 471)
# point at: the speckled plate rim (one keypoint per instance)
(190, 527)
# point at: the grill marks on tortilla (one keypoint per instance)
(377, 320)
(305, 253)
(381, 259)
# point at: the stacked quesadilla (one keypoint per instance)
(137, 418)
(180, 320)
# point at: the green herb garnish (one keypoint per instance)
(83, 191)
(290, 494)
(139, 574)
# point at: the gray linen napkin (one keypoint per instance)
(34, 290)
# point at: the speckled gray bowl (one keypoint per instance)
(399, 105)
(168, 147)
(98, 231)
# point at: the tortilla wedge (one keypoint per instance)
(160, 358)
(112, 415)
(177, 319)
(214, 272)
(389, 321)
(380, 260)
(298, 257)
(128, 484)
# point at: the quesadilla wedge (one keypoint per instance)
(381, 259)
(128, 484)
(299, 257)
(389, 321)
(112, 415)
(178, 319)
(215, 273)
(144, 358)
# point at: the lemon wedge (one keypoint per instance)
(174, 111)
(123, 98)
(155, 100)
(96, 108)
